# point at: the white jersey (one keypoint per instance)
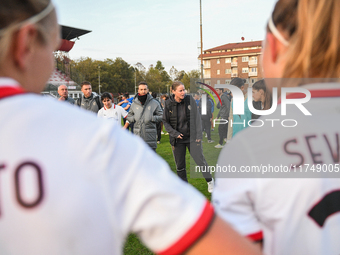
(115, 113)
(292, 215)
(72, 189)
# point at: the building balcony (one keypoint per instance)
(206, 66)
(252, 74)
(234, 74)
(252, 62)
(233, 64)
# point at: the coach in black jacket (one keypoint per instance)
(183, 123)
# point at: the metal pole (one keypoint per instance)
(135, 81)
(99, 77)
(201, 40)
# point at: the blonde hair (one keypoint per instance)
(313, 27)
(13, 14)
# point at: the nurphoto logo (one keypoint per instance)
(238, 105)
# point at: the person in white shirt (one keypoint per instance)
(110, 110)
(84, 203)
(284, 186)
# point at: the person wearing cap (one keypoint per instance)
(63, 94)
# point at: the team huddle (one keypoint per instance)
(88, 202)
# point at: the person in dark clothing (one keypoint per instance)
(206, 118)
(145, 112)
(89, 101)
(224, 115)
(179, 112)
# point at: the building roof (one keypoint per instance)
(231, 53)
(239, 45)
(69, 33)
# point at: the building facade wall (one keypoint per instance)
(224, 64)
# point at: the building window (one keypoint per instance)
(227, 71)
(245, 70)
(228, 60)
(254, 69)
(245, 59)
(207, 74)
(218, 61)
(218, 72)
(218, 82)
(227, 81)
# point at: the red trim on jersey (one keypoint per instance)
(194, 233)
(315, 94)
(256, 236)
(10, 91)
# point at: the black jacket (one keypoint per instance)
(190, 117)
(257, 106)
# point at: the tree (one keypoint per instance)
(115, 75)
(189, 79)
(175, 74)
(157, 78)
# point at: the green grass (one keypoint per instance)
(133, 246)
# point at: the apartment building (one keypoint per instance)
(221, 64)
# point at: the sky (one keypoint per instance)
(146, 31)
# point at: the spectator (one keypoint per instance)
(145, 112)
(224, 115)
(197, 99)
(89, 101)
(126, 104)
(212, 112)
(110, 110)
(206, 119)
(262, 98)
(240, 122)
(164, 97)
(63, 94)
(294, 207)
(177, 117)
(78, 194)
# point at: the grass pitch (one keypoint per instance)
(132, 245)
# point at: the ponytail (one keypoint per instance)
(313, 27)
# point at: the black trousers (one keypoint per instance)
(159, 130)
(207, 127)
(223, 132)
(196, 151)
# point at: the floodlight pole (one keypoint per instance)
(99, 77)
(135, 80)
(201, 32)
